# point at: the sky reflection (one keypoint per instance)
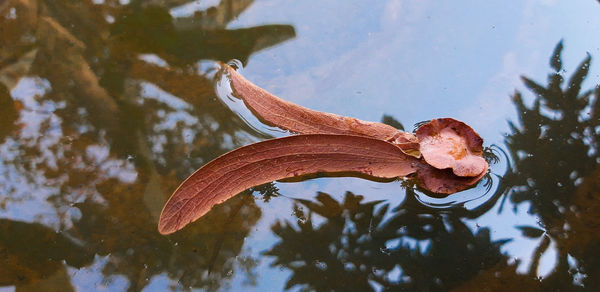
(115, 105)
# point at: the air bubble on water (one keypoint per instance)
(235, 64)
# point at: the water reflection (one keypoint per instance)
(105, 108)
(201, 258)
(555, 152)
(32, 255)
(361, 245)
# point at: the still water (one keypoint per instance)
(107, 105)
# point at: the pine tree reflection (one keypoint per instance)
(107, 133)
(361, 243)
(555, 152)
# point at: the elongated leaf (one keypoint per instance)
(275, 159)
(286, 115)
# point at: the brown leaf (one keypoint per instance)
(444, 181)
(448, 143)
(276, 159)
(289, 116)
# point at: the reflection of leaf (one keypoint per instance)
(443, 181)
(419, 124)
(224, 45)
(389, 120)
(8, 112)
(537, 255)
(275, 159)
(220, 239)
(555, 60)
(531, 232)
(535, 87)
(267, 191)
(31, 251)
(576, 80)
(216, 17)
(12, 73)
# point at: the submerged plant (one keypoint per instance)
(445, 154)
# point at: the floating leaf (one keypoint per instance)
(448, 143)
(328, 143)
(289, 116)
(276, 159)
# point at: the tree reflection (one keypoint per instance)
(362, 245)
(201, 258)
(31, 254)
(106, 107)
(555, 152)
(353, 245)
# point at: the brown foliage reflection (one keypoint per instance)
(124, 113)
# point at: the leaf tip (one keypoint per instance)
(165, 226)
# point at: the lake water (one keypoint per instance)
(108, 105)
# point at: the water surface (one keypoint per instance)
(106, 106)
